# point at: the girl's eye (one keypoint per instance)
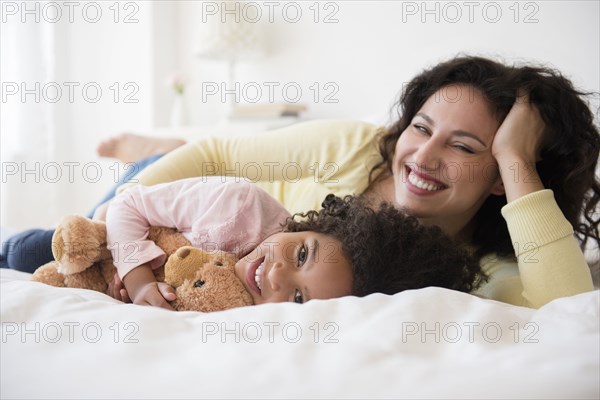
(464, 149)
(302, 253)
(298, 297)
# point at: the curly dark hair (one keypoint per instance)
(389, 250)
(569, 152)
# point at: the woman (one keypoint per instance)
(461, 114)
(461, 149)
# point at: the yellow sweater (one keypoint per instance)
(299, 165)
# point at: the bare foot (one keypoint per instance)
(129, 147)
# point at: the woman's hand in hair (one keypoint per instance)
(516, 148)
(520, 135)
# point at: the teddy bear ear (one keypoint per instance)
(183, 264)
(183, 252)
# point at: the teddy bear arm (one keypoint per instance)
(90, 278)
(48, 274)
(168, 239)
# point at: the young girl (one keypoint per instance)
(346, 248)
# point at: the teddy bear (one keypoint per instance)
(203, 281)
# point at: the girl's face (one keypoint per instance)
(443, 168)
(296, 266)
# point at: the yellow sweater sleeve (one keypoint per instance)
(550, 261)
(298, 165)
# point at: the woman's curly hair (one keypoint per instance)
(569, 152)
(390, 251)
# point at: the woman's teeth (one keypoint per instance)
(414, 179)
(258, 274)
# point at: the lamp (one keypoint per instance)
(227, 36)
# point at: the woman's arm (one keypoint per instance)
(551, 263)
(516, 148)
(328, 155)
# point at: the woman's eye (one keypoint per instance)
(464, 149)
(421, 129)
(298, 297)
(302, 253)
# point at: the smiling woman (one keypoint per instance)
(441, 164)
(533, 127)
(511, 133)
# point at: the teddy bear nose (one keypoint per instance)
(183, 253)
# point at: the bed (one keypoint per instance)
(428, 343)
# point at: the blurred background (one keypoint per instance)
(76, 73)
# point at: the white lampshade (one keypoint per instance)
(229, 40)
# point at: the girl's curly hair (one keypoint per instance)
(389, 250)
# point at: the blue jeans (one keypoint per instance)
(30, 249)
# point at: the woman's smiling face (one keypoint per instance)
(443, 166)
(296, 266)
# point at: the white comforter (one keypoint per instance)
(430, 343)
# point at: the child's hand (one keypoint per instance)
(117, 290)
(142, 287)
(156, 294)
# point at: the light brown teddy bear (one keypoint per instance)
(205, 281)
(202, 281)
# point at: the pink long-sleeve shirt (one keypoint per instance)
(212, 213)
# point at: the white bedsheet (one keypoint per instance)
(429, 343)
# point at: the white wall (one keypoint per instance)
(116, 55)
(82, 49)
(376, 46)
(372, 49)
